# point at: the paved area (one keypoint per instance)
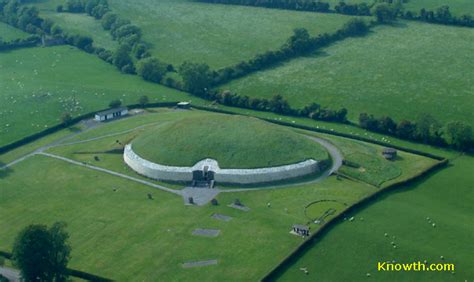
(11, 274)
(221, 217)
(242, 208)
(199, 263)
(206, 232)
(201, 196)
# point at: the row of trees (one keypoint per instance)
(441, 15)
(425, 129)
(29, 41)
(130, 49)
(356, 9)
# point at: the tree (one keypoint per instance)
(143, 100)
(355, 27)
(42, 254)
(427, 128)
(151, 69)
(300, 41)
(406, 129)
(66, 118)
(121, 56)
(459, 135)
(384, 12)
(108, 20)
(197, 77)
(115, 103)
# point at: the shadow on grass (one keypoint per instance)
(4, 171)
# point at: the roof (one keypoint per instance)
(111, 111)
(389, 151)
(299, 226)
(183, 103)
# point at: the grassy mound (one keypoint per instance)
(234, 141)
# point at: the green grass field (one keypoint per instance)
(124, 236)
(429, 71)
(373, 168)
(8, 33)
(84, 25)
(219, 35)
(102, 222)
(457, 7)
(37, 85)
(445, 198)
(234, 141)
(76, 23)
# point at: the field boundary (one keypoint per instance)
(330, 132)
(71, 272)
(364, 202)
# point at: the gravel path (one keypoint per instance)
(177, 192)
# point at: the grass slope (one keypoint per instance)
(431, 70)
(8, 33)
(234, 141)
(445, 197)
(124, 236)
(219, 35)
(37, 85)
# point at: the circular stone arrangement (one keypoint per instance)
(224, 148)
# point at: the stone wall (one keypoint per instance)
(237, 176)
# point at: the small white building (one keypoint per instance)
(184, 105)
(111, 114)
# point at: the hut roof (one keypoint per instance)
(111, 111)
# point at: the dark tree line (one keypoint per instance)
(425, 129)
(441, 15)
(30, 41)
(361, 9)
(279, 105)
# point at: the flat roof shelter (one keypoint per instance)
(184, 105)
(111, 114)
(389, 153)
(301, 230)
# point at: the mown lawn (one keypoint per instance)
(124, 236)
(401, 71)
(8, 33)
(445, 198)
(234, 141)
(219, 35)
(37, 85)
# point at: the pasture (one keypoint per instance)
(37, 85)
(444, 198)
(429, 71)
(218, 35)
(8, 33)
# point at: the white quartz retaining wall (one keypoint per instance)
(239, 176)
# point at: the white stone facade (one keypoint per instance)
(237, 176)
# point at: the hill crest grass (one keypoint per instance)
(234, 141)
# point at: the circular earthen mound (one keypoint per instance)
(233, 141)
